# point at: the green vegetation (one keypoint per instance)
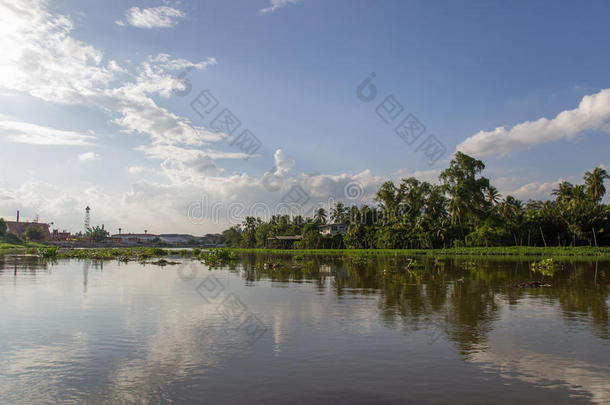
(10, 242)
(33, 233)
(48, 252)
(464, 251)
(122, 254)
(97, 234)
(464, 210)
(217, 257)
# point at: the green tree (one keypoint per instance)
(466, 187)
(320, 216)
(389, 198)
(338, 214)
(311, 238)
(594, 182)
(263, 231)
(492, 196)
(248, 234)
(511, 211)
(97, 234)
(3, 227)
(232, 237)
(34, 233)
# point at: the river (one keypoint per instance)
(317, 330)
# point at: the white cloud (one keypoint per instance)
(88, 157)
(535, 190)
(136, 169)
(65, 208)
(41, 58)
(155, 17)
(276, 4)
(24, 132)
(592, 114)
(283, 163)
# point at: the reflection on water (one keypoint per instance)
(373, 329)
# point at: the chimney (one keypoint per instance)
(17, 216)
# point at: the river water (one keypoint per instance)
(318, 330)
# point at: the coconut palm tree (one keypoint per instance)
(338, 213)
(594, 182)
(492, 195)
(563, 191)
(320, 215)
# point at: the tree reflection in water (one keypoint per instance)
(460, 296)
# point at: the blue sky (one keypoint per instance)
(88, 115)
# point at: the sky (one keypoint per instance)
(184, 117)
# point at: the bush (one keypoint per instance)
(34, 233)
(216, 257)
(488, 235)
(158, 252)
(48, 252)
(12, 239)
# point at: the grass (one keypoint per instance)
(11, 243)
(466, 251)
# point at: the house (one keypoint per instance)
(332, 229)
(282, 242)
(132, 238)
(19, 228)
(61, 236)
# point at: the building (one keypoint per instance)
(132, 238)
(19, 228)
(211, 239)
(332, 229)
(61, 236)
(177, 239)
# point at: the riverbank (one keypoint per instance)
(11, 247)
(466, 251)
(142, 253)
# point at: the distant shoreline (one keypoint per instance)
(512, 251)
(467, 251)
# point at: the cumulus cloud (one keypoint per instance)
(154, 17)
(535, 190)
(276, 4)
(88, 157)
(136, 169)
(283, 163)
(592, 114)
(25, 132)
(41, 58)
(65, 208)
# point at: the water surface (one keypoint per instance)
(324, 329)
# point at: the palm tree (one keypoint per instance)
(563, 191)
(320, 215)
(492, 195)
(594, 182)
(338, 213)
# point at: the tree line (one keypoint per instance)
(464, 209)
